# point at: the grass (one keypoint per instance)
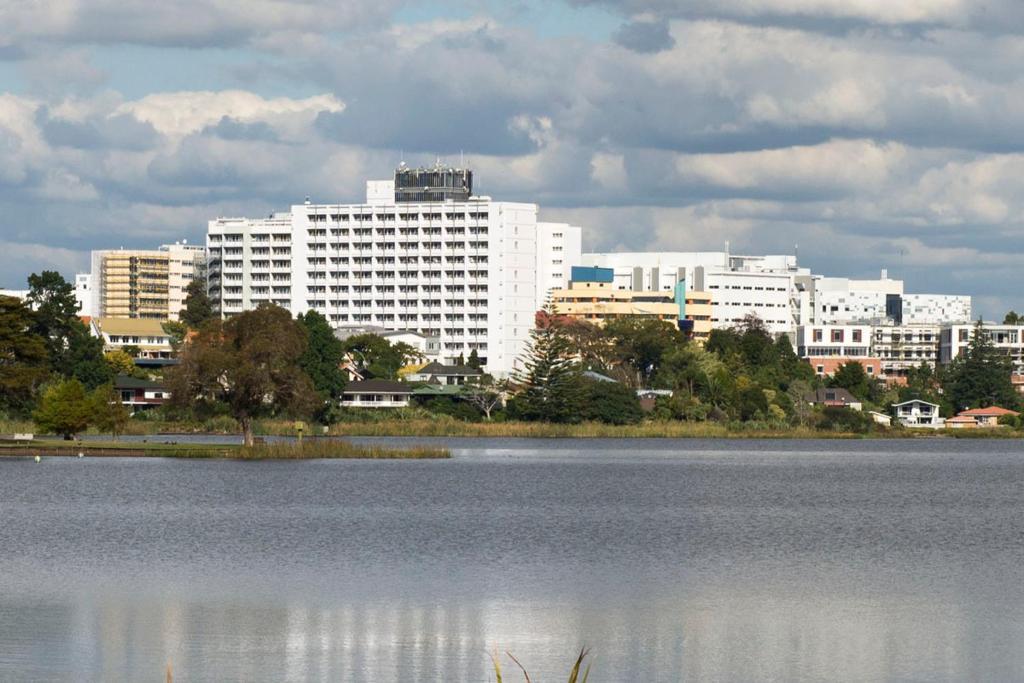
(311, 449)
(574, 674)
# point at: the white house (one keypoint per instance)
(918, 414)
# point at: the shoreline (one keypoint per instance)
(308, 450)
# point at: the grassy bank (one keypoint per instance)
(308, 450)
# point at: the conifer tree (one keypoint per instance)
(550, 378)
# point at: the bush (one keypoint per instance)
(611, 403)
(838, 419)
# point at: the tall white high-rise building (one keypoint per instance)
(421, 253)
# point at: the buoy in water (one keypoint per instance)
(38, 459)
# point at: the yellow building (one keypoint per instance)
(596, 300)
(147, 284)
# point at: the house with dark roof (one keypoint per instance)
(376, 393)
(436, 373)
(140, 394)
(840, 398)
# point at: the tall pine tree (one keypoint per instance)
(550, 378)
(980, 376)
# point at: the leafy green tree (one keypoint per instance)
(176, 333)
(64, 409)
(198, 307)
(550, 378)
(249, 363)
(55, 309)
(640, 344)
(980, 376)
(84, 358)
(610, 402)
(106, 411)
(852, 377)
(23, 360)
(376, 354)
(474, 360)
(120, 362)
(322, 360)
(1013, 318)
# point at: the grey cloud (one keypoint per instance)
(232, 129)
(645, 36)
(119, 131)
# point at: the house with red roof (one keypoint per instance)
(983, 417)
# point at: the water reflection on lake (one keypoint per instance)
(697, 560)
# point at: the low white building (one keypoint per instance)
(769, 287)
(918, 414)
(21, 294)
(145, 336)
(822, 341)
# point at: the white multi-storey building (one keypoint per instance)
(840, 300)
(935, 309)
(770, 287)
(825, 341)
(421, 253)
(558, 250)
(1008, 339)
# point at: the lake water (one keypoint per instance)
(672, 560)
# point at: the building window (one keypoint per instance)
(817, 335)
(837, 336)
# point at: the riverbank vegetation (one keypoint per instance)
(309, 449)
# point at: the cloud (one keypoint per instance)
(645, 36)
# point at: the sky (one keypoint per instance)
(862, 134)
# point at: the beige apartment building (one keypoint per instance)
(142, 283)
(599, 301)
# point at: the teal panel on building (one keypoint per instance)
(681, 298)
(592, 274)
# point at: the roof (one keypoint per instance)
(832, 397)
(597, 376)
(378, 386)
(991, 411)
(960, 419)
(131, 326)
(126, 382)
(438, 390)
(916, 400)
(436, 368)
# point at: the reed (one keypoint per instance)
(574, 673)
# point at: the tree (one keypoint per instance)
(120, 362)
(980, 376)
(249, 363)
(484, 394)
(84, 359)
(64, 409)
(852, 377)
(474, 360)
(1013, 318)
(23, 360)
(383, 359)
(610, 402)
(108, 414)
(640, 344)
(55, 308)
(176, 333)
(550, 378)
(322, 360)
(198, 307)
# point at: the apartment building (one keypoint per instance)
(770, 287)
(559, 247)
(464, 270)
(935, 309)
(1009, 339)
(592, 296)
(139, 283)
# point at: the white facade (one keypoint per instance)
(936, 309)
(464, 273)
(84, 295)
(1008, 339)
(918, 414)
(902, 347)
(770, 287)
(559, 248)
(840, 300)
(820, 341)
(16, 293)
